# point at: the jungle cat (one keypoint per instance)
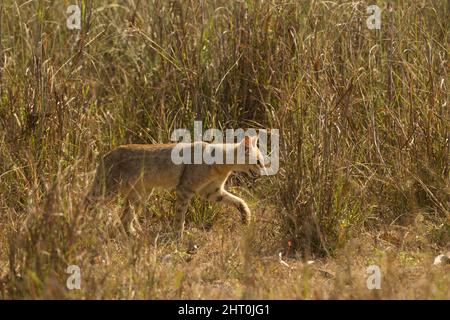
(134, 170)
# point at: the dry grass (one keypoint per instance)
(364, 169)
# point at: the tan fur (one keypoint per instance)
(135, 170)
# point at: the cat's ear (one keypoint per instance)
(250, 141)
(247, 141)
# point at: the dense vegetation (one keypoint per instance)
(364, 146)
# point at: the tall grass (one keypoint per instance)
(363, 116)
